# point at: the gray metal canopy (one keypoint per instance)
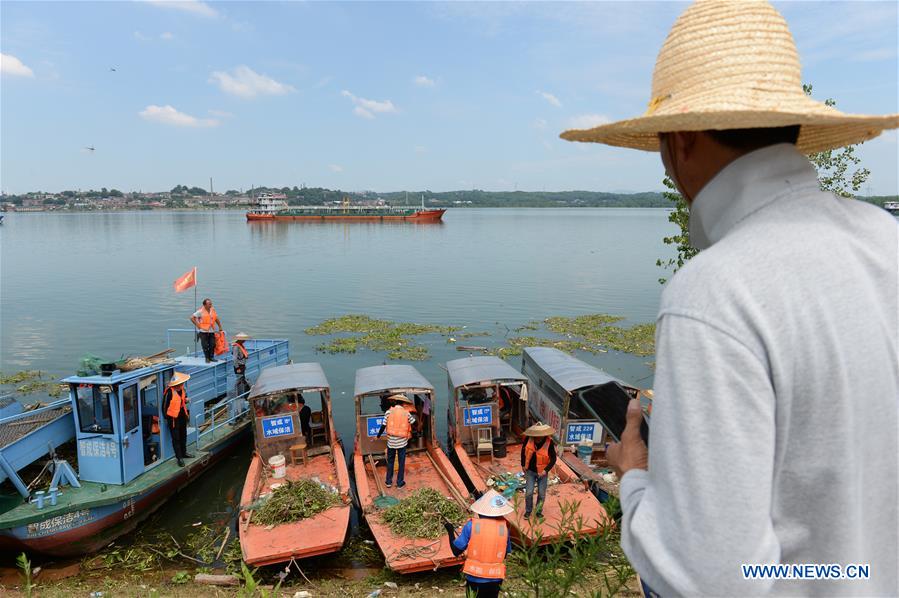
(296, 376)
(569, 372)
(469, 370)
(381, 378)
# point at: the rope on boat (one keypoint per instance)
(412, 551)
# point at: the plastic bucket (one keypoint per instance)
(499, 446)
(584, 452)
(277, 463)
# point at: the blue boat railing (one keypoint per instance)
(243, 408)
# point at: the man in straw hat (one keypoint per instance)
(538, 457)
(398, 422)
(774, 429)
(239, 353)
(487, 541)
(174, 406)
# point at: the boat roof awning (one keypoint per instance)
(296, 376)
(569, 372)
(381, 378)
(485, 368)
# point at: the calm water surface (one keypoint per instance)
(101, 283)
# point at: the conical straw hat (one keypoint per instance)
(179, 378)
(242, 336)
(492, 504)
(538, 430)
(733, 65)
(400, 399)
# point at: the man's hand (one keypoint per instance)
(631, 452)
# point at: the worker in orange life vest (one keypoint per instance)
(398, 424)
(176, 414)
(239, 353)
(538, 457)
(206, 319)
(487, 541)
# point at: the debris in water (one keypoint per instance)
(422, 513)
(391, 585)
(377, 335)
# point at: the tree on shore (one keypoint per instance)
(838, 172)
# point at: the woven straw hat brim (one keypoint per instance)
(733, 65)
(400, 399)
(817, 133)
(539, 430)
(242, 336)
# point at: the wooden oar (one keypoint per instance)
(374, 473)
(449, 484)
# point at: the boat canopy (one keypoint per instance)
(569, 372)
(383, 378)
(296, 376)
(470, 370)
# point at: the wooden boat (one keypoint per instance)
(276, 427)
(488, 399)
(426, 465)
(126, 467)
(565, 393)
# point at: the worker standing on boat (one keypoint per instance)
(487, 541)
(398, 423)
(538, 457)
(239, 353)
(174, 406)
(774, 446)
(206, 319)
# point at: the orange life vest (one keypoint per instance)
(487, 549)
(207, 319)
(178, 403)
(154, 427)
(221, 343)
(398, 423)
(542, 454)
(242, 349)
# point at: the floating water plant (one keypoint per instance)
(422, 513)
(384, 336)
(598, 329)
(295, 501)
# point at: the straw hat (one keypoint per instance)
(178, 379)
(539, 429)
(492, 504)
(400, 399)
(241, 336)
(733, 65)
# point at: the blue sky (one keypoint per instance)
(371, 95)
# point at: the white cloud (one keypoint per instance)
(10, 65)
(423, 81)
(169, 116)
(366, 108)
(588, 121)
(335, 167)
(550, 98)
(244, 82)
(141, 37)
(540, 123)
(166, 35)
(192, 6)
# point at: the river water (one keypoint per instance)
(101, 283)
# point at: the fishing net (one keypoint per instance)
(90, 365)
(384, 501)
(422, 514)
(294, 501)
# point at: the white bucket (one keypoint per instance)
(277, 463)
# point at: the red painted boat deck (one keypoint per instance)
(402, 554)
(322, 534)
(568, 490)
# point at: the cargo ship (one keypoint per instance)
(270, 207)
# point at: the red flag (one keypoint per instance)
(189, 279)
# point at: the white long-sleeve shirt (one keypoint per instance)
(774, 425)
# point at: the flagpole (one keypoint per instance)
(195, 307)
